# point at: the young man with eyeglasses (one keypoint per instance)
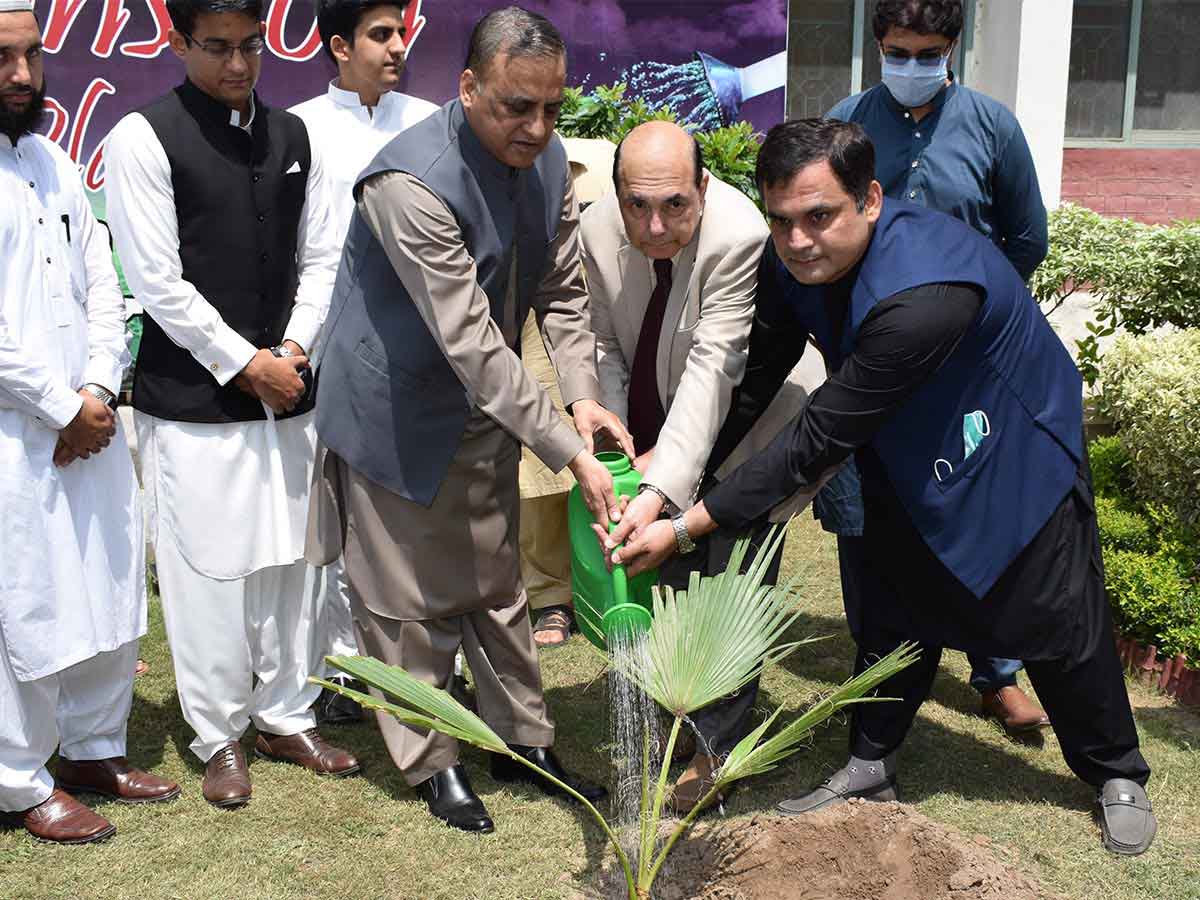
(949, 148)
(359, 113)
(221, 218)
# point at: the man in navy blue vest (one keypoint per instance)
(963, 411)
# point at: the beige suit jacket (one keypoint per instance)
(703, 342)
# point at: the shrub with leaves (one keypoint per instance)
(731, 153)
(1121, 529)
(1142, 276)
(1152, 393)
(1112, 475)
(1149, 597)
(606, 112)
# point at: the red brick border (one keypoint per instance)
(1152, 186)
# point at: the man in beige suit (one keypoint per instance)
(672, 261)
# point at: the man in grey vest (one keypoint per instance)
(463, 223)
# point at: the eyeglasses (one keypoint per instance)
(223, 50)
(926, 58)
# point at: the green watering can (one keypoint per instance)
(606, 603)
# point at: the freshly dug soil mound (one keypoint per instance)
(858, 851)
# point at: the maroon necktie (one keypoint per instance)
(646, 415)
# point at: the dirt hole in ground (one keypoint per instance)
(858, 851)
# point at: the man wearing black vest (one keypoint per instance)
(220, 214)
(463, 223)
(964, 413)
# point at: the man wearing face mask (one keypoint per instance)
(949, 148)
(359, 113)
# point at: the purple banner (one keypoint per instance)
(713, 61)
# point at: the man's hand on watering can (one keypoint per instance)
(590, 417)
(596, 486)
(635, 518)
(648, 549)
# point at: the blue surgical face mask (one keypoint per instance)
(913, 84)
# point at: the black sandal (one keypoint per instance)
(558, 619)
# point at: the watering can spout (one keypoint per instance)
(624, 620)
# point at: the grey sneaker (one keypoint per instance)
(1126, 817)
(845, 783)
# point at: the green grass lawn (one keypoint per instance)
(368, 837)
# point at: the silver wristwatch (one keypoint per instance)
(683, 541)
(282, 351)
(101, 393)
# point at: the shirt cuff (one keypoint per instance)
(60, 407)
(303, 328)
(104, 371)
(579, 386)
(559, 447)
(227, 355)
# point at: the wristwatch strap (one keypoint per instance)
(683, 541)
(101, 393)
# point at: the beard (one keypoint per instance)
(15, 123)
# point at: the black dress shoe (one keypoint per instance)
(450, 798)
(505, 768)
(332, 708)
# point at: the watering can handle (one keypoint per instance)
(619, 578)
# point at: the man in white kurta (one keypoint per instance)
(210, 172)
(359, 113)
(72, 580)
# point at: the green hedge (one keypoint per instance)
(1152, 392)
(1141, 276)
(605, 112)
(1151, 559)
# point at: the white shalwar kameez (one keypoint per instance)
(72, 570)
(228, 502)
(350, 135)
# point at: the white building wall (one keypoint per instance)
(1019, 54)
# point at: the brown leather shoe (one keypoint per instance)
(307, 749)
(113, 777)
(226, 777)
(694, 783)
(61, 819)
(1012, 709)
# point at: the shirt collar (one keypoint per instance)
(473, 150)
(214, 110)
(235, 117)
(342, 97)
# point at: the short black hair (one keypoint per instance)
(697, 161)
(340, 18)
(184, 13)
(515, 31)
(794, 145)
(944, 17)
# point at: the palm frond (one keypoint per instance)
(424, 706)
(710, 640)
(750, 757)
